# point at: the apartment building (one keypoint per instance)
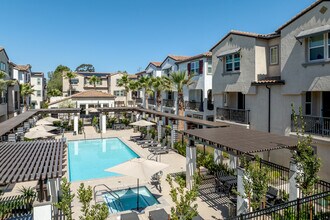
(257, 77)
(119, 91)
(4, 66)
(39, 85)
(198, 96)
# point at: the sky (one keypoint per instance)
(128, 34)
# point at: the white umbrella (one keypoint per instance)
(93, 110)
(48, 127)
(51, 119)
(139, 168)
(47, 121)
(142, 123)
(38, 132)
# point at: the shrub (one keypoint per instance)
(181, 148)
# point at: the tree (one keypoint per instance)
(91, 212)
(54, 92)
(180, 80)
(85, 68)
(70, 75)
(56, 78)
(134, 86)
(124, 81)
(3, 82)
(94, 80)
(160, 84)
(183, 198)
(65, 199)
(26, 90)
(146, 85)
(308, 164)
(255, 182)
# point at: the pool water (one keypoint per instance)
(89, 158)
(126, 199)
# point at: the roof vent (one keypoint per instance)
(323, 9)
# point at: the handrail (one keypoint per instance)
(110, 191)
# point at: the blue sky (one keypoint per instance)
(127, 34)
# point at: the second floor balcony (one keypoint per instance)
(241, 116)
(314, 125)
(196, 106)
(168, 103)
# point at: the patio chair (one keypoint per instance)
(12, 138)
(150, 144)
(159, 214)
(129, 216)
(161, 150)
(271, 196)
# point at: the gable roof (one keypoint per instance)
(92, 94)
(98, 74)
(301, 14)
(23, 67)
(3, 49)
(175, 58)
(206, 54)
(246, 34)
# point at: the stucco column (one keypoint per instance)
(293, 189)
(242, 204)
(159, 130)
(174, 128)
(176, 102)
(232, 161)
(103, 123)
(75, 124)
(87, 109)
(190, 164)
(218, 157)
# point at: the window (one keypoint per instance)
(273, 55)
(74, 81)
(2, 66)
(38, 93)
(316, 47)
(233, 62)
(20, 76)
(119, 92)
(38, 81)
(308, 103)
(195, 67)
(209, 66)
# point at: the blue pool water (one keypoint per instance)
(128, 199)
(89, 158)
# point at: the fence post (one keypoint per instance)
(293, 189)
(298, 208)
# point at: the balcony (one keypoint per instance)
(168, 103)
(195, 106)
(241, 116)
(314, 125)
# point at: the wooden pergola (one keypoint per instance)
(31, 161)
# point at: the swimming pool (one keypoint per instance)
(126, 199)
(89, 158)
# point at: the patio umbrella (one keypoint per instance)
(142, 123)
(38, 132)
(48, 127)
(139, 168)
(47, 121)
(92, 110)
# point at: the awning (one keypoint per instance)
(313, 31)
(238, 87)
(227, 52)
(320, 84)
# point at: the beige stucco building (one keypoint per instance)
(257, 78)
(39, 85)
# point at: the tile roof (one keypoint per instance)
(268, 82)
(206, 54)
(140, 73)
(37, 74)
(22, 67)
(156, 64)
(178, 58)
(92, 94)
(94, 73)
(247, 34)
(301, 14)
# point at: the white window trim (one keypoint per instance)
(270, 55)
(324, 49)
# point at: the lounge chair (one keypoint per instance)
(160, 150)
(12, 138)
(133, 138)
(151, 144)
(159, 214)
(129, 216)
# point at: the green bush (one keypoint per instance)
(181, 148)
(95, 121)
(111, 121)
(153, 133)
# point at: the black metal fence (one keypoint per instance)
(192, 105)
(314, 125)
(16, 207)
(235, 115)
(316, 207)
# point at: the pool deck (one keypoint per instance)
(177, 163)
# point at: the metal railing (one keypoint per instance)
(311, 207)
(196, 106)
(313, 125)
(151, 102)
(138, 100)
(168, 102)
(235, 115)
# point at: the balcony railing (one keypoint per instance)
(235, 115)
(138, 100)
(151, 101)
(196, 106)
(313, 125)
(168, 102)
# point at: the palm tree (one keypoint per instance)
(160, 84)
(70, 75)
(4, 83)
(94, 80)
(134, 87)
(26, 90)
(146, 84)
(180, 80)
(124, 81)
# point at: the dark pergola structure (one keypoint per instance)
(31, 161)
